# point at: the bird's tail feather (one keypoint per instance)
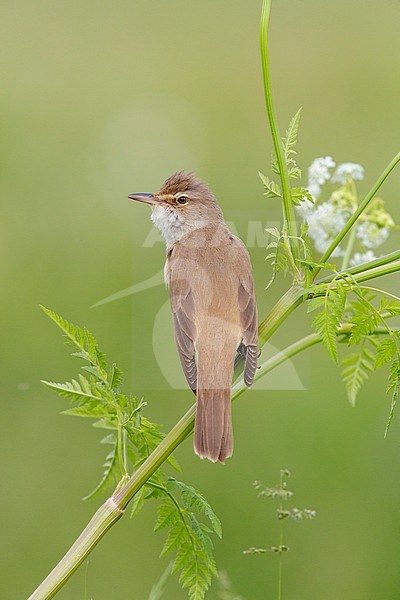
(213, 437)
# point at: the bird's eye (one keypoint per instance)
(182, 200)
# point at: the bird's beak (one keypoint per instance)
(147, 198)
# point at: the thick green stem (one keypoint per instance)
(103, 519)
(363, 205)
(282, 309)
(270, 364)
(393, 267)
(288, 209)
(363, 268)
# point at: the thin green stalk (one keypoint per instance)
(103, 519)
(382, 260)
(288, 210)
(349, 249)
(273, 362)
(363, 205)
(282, 309)
(281, 540)
(393, 267)
(352, 237)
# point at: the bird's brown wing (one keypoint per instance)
(184, 324)
(248, 316)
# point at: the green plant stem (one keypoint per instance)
(377, 272)
(363, 205)
(349, 249)
(103, 519)
(273, 362)
(378, 262)
(282, 309)
(281, 540)
(288, 210)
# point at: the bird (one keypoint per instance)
(211, 286)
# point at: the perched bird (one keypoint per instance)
(209, 275)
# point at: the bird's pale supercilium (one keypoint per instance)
(210, 280)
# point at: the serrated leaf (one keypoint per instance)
(192, 498)
(109, 476)
(274, 231)
(271, 188)
(115, 378)
(315, 303)
(173, 539)
(83, 341)
(289, 143)
(385, 351)
(327, 322)
(363, 324)
(138, 501)
(71, 390)
(166, 514)
(393, 387)
(299, 195)
(279, 259)
(391, 306)
(356, 368)
(84, 411)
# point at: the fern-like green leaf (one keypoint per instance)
(289, 143)
(277, 256)
(166, 514)
(138, 501)
(356, 369)
(110, 475)
(73, 390)
(83, 341)
(326, 322)
(385, 351)
(299, 195)
(188, 537)
(390, 306)
(272, 189)
(393, 388)
(193, 499)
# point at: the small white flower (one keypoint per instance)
(371, 235)
(346, 170)
(324, 223)
(318, 173)
(360, 258)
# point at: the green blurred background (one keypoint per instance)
(101, 99)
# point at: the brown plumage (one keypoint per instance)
(210, 279)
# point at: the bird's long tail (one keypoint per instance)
(213, 436)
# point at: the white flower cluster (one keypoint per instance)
(371, 235)
(319, 173)
(360, 258)
(326, 219)
(346, 170)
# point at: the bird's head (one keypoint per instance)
(183, 204)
